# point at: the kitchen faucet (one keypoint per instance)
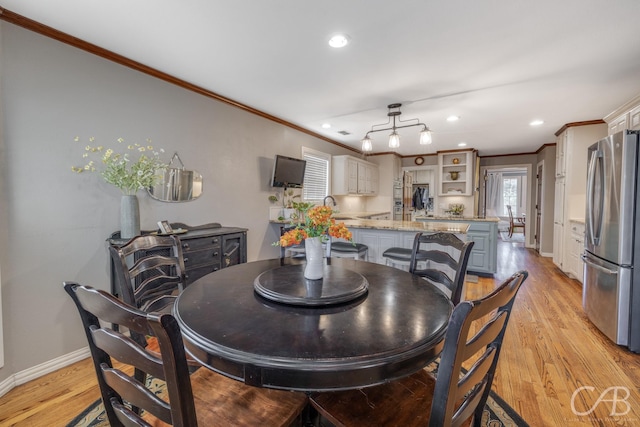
(324, 202)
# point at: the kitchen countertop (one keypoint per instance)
(456, 219)
(383, 224)
(358, 215)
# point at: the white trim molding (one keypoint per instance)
(43, 369)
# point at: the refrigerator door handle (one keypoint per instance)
(594, 240)
(598, 267)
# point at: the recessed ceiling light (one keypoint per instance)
(326, 126)
(453, 118)
(339, 40)
(462, 144)
(536, 123)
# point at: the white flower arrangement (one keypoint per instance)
(120, 169)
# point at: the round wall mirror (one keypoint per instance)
(177, 184)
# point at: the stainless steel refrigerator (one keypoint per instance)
(611, 290)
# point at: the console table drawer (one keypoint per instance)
(205, 256)
(194, 244)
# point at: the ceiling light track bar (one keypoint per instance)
(394, 138)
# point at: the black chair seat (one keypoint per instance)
(346, 247)
(398, 254)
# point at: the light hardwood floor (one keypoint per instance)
(550, 351)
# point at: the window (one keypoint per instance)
(513, 189)
(316, 174)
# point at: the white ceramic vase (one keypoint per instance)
(129, 217)
(315, 258)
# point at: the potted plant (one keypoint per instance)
(130, 167)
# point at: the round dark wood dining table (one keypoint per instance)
(392, 329)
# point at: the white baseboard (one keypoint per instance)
(43, 369)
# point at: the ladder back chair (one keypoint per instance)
(442, 259)
(457, 395)
(203, 398)
(514, 223)
(149, 271)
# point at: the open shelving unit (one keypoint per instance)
(456, 173)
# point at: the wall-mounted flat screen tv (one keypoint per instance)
(288, 172)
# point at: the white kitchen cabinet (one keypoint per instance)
(353, 176)
(455, 170)
(576, 246)
(618, 124)
(634, 118)
(368, 176)
(626, 116)
(378, 241)
(558, 223)
(570, 191)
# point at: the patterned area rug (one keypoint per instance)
(497, 413)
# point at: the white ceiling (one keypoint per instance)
(498, 64)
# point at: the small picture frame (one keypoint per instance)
(165, 227)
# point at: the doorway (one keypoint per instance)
(503, 185)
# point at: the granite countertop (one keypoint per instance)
(456, 219)
(383, 224)
(340, 216)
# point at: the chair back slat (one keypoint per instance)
(486, 335)
(126, 416)
(148, 267)
(476, 374)
(122, 393)
(123, 348)
(445, 257)
(136, 393)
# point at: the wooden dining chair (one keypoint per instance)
(441, 258)
(457, 395)
(203, 398)
(150, 271)
(514, 223)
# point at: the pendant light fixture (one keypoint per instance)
(394, 137)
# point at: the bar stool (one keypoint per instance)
(400, 257)
(349, 250)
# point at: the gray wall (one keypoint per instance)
(53, 223)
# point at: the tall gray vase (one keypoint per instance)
(129, 217)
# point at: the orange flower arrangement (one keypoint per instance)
(317, 223)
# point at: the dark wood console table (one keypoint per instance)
(205, 248)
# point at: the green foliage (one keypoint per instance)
(120, 168)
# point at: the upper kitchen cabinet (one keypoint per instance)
(352, 176)
(625, 117)
(455, 170)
